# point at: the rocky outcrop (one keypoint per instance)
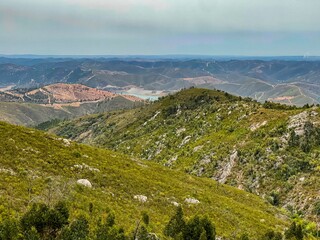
(226, 171)
(297, 123)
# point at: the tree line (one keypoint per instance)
(53, 223)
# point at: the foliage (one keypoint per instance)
(196, 228)
(294, 232)
(39, 167)
(271, 235)
(197, 131)
(176, 225)
(278, 106)
(46, 221)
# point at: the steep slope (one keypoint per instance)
(37, 167)
(270, 150)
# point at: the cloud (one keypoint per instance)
(180, 16)
(120, 6)
(129, 25)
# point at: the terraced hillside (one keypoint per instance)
(59, 101)
(61, 93)
(270, 150)
(38, 167)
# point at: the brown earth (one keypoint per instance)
(68, 93)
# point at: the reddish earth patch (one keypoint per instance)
(68, 93)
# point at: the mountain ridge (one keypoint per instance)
(269, 149)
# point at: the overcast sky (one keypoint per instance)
(124, 27)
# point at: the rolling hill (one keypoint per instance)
(59, 101)
(39, 167)
(268, 149)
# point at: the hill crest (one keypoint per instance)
(262, 148)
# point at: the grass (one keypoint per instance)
(39, 167)
(196, 130)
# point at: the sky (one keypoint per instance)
(160, 27)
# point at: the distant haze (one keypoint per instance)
(208, 27)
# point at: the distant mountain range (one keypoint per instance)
(294, 82)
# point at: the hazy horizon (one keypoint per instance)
(160, 27)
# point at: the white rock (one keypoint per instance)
(84, 166)
(301, 179)
(192, 200)
(175, 204)
(152, 118)
(197, 148)
(180, 130)
(185, 141)
(313, 114)
(141, 198)
(297, 123)
(8, 171)
(85, 182)
(255, 126)
(66, 142)
(227, 169)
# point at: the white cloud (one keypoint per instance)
(138, 23)
(198, 16)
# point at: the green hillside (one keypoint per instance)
(33, 114)
(38, 167)
(270, 150)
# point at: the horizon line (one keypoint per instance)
(30, 55)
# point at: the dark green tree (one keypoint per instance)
(9, 229)
(244, 236)
(108, 230)
(316, 210)
(36, 217)
(197, 227)
(294, 232)
(78, 230)
(271, 235)
(176, 224)
(145, 218)
(46, 221)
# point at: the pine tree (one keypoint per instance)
(176, 224)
